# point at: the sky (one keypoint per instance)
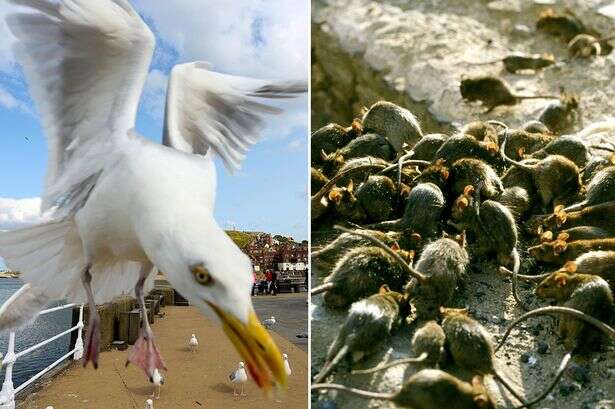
(256, 38)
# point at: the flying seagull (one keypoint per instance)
(119, 204)
(239, 377)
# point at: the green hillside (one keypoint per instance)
(240, 238)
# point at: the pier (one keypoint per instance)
(194, 379)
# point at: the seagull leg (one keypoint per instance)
(145, 353)
(158, 388)
(93, 331)
(242, 391)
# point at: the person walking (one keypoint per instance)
(274, 283)
(269, 278)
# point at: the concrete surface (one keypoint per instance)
(193, 380)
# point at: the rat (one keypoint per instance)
(561, 250)
(601, 215)
(372, 145)
(519, 61)
(568, 146)
(517, 177)
(600, 263)
(470, 171)
(323, 260)
(521, 143)
(428, 346)
(577, 233)
(517, 200)
(330, 138)
(422, 214)
(535, 126)
(595, 165)
(466, 146)
(555, 177)
(429, 389)
(372, 201)
(482, 131)
(369, 323)
(398, 125)
(493, 92)
(470, 345)
(600, 189)
(494, 228)
(587, 293)
(439, 270)
(561, 115)
(426, 148)
(586, 45)
(566, 26)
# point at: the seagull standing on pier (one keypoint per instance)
(149, 404)
(269, 322)
(286, 365)
(239, 377)
(119, 205)
(193, 343)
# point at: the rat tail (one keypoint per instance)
(526, 278)
(507, 385)
(418, 359)
(326, 370)
(515, 272)
(558, 375)
(322, 288)
(608, 331)
(354, 391)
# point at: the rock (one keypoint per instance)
(542, 348)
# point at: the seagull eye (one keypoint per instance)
(201, 275)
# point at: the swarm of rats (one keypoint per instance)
(416, 215)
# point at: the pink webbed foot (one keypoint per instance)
(146, 356)
(92, 342)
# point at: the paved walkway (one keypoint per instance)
(194, 380)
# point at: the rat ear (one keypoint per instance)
(468, 190)
(546, 236)
(384, 289)
(395, 246)
(570, 267)
(560, 279)
(416, 237)
(560, 216)
(444, 173)
(563, 236)
(521, 152)
(411, 255)
(350, 186)
(462, 203)
(492, 148)
(461, 238)
(323, 155)
(357, 126)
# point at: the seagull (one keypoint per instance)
(119, 206)
(269, 322)
(239, 376)
(149, 404)
(193, 343)
(286, 365)
(158, 381)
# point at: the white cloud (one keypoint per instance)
(7, 100)
(15, 213)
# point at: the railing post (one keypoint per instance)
(79, 342)
(7, 395)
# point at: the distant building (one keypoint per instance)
(279, 254)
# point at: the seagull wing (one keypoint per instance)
(206, 109)
(86, 63)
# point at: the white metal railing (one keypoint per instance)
(8, 392)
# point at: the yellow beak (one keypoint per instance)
(256, 348)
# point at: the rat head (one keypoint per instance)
(558, 285)
(346, 203)
(446, 312)
(207, 267)
(550, 251)
(437, 173)
(331, 162)
(463, 204)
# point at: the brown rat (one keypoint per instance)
(600, 215)
(466, 146)
(398, 125)
(482, 131)
(566, 25)
(587, 293)
(373, 200)
(369, 323)
(561, 249)
(560, 116)
(517, 200)
(555, 177)
(323, 260)
(429, 389)
(521, 61)
(317, 180)
(600, 189)
(521, 143)
(568, 146)
(423, 212)
(470, 345)
(428, 347)
(330, 138)
(493, 92)
(470, 171)
(360, 272)
(372, 145)
(426, 148)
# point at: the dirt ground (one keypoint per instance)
(193, 380)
